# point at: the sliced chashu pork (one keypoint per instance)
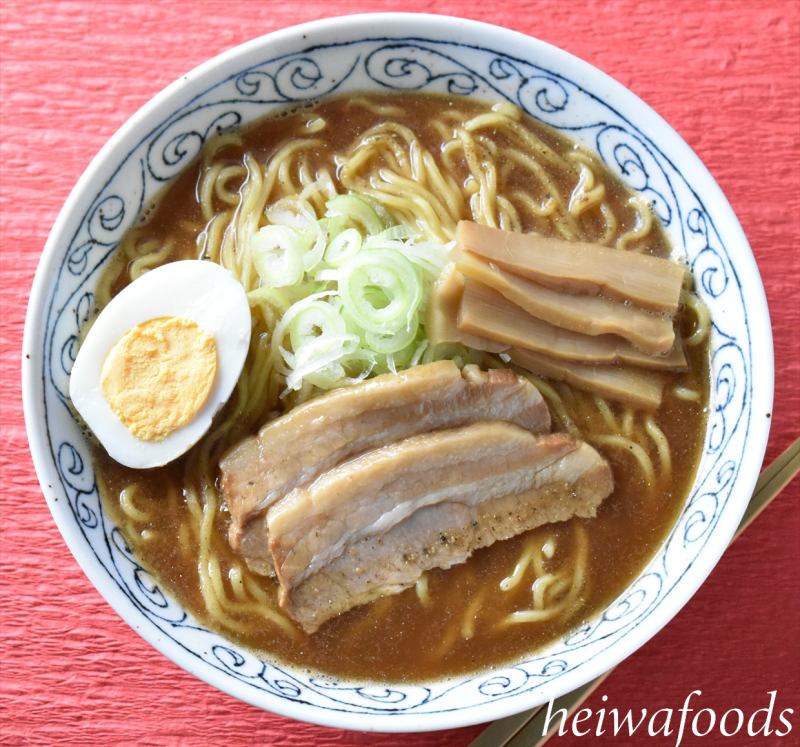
(373, 525)
(295, 449)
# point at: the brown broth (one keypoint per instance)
(397, 636)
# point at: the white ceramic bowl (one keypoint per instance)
(426, 53)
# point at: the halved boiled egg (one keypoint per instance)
(160, 361)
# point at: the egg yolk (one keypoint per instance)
(158, 375)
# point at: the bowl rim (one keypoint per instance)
(425, 27)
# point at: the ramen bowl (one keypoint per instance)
(412, 53)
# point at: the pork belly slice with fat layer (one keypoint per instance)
(295, 449)
(373, 525)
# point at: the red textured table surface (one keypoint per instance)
(726, 75)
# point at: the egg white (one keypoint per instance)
(204, 292)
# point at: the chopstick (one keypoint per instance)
(770, 483)
(527, 726)
(527, 729)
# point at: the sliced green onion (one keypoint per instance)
(356, 209)
(344, 246)
(278, 256)
(415, 359)
(392, 342)
(334, 225)
(289, 211)
(316, 319)
(274, 297)
(325, 379)
(326, 276)
(282, 327)
(393, 233)
(317, 237)
(427, 255)
(386, 217)
(347, 290)
(361, 358)
(329, 377)
(380, 290)
(318, 355)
